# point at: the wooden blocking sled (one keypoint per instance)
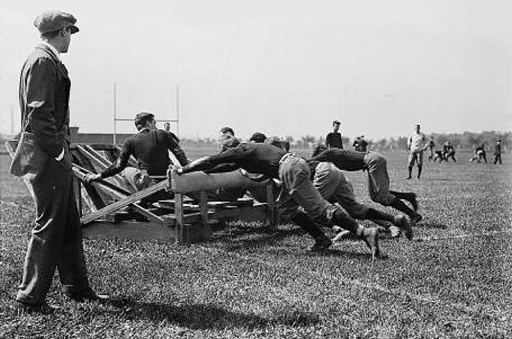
(113, 208)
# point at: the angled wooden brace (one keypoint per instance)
(124, 201)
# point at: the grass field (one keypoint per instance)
(453, 281)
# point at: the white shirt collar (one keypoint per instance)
(54, 50)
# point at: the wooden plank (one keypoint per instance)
(99, 164)
(171, 207)
(224, 204)
(97, 155)
(96, 146)
(124, 202)
(148, 214)
(102, 181)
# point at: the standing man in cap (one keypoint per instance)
(56, 239)
(416, 144)
(333, 139)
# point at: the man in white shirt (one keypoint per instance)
(416, 144)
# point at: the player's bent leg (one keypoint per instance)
(337, 216)
(409, 196)
(399, 205)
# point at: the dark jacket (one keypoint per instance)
(44, 100)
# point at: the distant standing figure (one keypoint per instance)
(431, 147)
(497, 152)
(355, 144)
(56, 238)
(448, 151)
(416, 145)
(333, 139)
(167, 127)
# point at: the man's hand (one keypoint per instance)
(91, 177)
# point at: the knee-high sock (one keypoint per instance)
(344, 220)
(374, 214)
(399, 205)
(403, 195)
(419, 171)
(308, 225)
(410, 171)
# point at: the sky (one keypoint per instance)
(285, 68)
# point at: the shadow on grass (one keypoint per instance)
(203, 316)
(332, 252)
(435, 225)
(260, 236)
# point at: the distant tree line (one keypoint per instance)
(466, 140)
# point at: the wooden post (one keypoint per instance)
(272, 210)
(178, 212)
(203, 207)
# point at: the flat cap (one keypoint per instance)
(54, 20)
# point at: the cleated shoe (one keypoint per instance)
(416, 218)
(321, 244)
(22, 307)
(340, 235)
(88, 295)
(402, 222)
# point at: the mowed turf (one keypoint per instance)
(452, 281)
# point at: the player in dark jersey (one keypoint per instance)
(150, 147)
